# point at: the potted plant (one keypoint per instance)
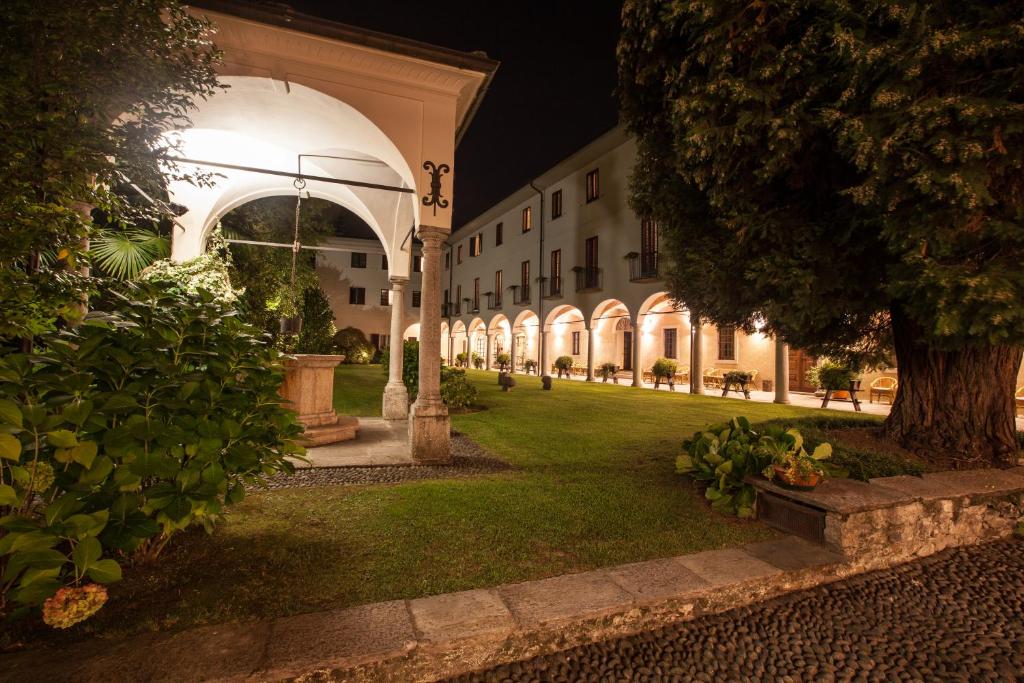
(664, 369)
(503, 360)
(608, 370)
(478, 361)
(460, 359)
(564, 365)
(791, 464)
(530, 365)
(836, 378)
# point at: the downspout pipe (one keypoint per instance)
(540, 289)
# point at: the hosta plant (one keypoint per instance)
(150, 417)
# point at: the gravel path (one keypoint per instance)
(468, 459)
(957, 616)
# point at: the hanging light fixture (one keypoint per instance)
(293, 324)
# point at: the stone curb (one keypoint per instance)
(442, 635)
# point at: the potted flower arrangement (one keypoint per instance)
(564, 365)
(478, 361)
(608, 370)
(503, 360)
(461, 359)
(530, 365)
(791, 464)
(664, 369)
(834, 377)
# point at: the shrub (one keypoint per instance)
(317, 333)
(829, 375)
(478, 361)
(461, 358)
(563, 363)
(737, 377)
(352, 343)
(150, 417)
(410, 366)
(530, 365)
(209, 272)
(456, 391)
(503, 360)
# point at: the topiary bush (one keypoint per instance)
(456, 391)
(151, 417)
(317, 333)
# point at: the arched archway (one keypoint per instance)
(446, 343)
(412, 332)
(525, 343)
(565, 333)
(499, 331)
(376, 122)
(476, 333)
(664, 332)
(612, 335)
(459, 341)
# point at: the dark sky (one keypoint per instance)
(553, 92)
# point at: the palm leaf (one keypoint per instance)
(124, 255)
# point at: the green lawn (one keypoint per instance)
(594, 486)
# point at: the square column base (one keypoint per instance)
(430, 430)
(396, 402)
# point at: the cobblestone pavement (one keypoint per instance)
(468, 459)
(957, 616)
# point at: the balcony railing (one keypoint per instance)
(520, 294)
(588, 279)
(470, 305)
(493, 301)
(553, 287)
(450, 309)
(643, 266)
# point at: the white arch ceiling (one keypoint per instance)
(265, 123)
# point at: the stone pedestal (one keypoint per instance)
(309, 388)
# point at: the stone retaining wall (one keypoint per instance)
(894, 519)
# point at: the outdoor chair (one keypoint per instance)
(684, 374)
(883, 387)
(648, 377)
(713, 377)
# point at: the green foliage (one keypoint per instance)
(607, 370)
(530, 365)
(478, 360)
(563, 363)
(461, 358)
(410, 366)
(352, 343)
(740, 377)
(664, 368)
(79, 124)
(504, 360)
(830, 165)
(317, 333)
(456, 391)
(150, 417)
(125, 254)
(830, 375)
(859, 463)
(724, 455)
(265, 272)
(208, 272)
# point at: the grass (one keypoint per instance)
(594, 485)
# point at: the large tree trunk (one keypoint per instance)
(954, 407)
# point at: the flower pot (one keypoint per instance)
(803, 484)
(841, 394)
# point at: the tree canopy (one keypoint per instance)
(87, 93)
(845, 171)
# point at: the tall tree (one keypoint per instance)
(87, 92)
(853, 173)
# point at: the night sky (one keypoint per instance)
(552, 94)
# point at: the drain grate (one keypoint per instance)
(791, 517)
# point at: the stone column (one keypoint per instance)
(512, 350)
(545, 352)
(429, 426)
(451, 347)
(696, 356)
(638, 375)
(590, 352)
(396, 396)
(781, 371)
(488, 354)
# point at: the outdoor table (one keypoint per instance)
(854, 388)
